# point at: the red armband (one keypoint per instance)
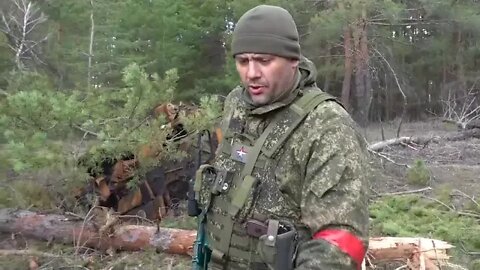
(345, 241)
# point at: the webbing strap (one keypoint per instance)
(241, 194)
(255, 151)
(301, 107)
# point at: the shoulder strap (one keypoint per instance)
(300, 109)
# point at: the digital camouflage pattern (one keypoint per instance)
(317, 180)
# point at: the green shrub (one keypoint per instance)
(26, 194)
(443, 193)
(418, 174)
(413, 216)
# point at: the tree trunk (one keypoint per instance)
(328, 75)
(347, 79)
(366, 59)
(103, 230)
(460, 63)
(362, 91)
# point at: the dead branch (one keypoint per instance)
(462, 111)
(26, 252)
(404, 192)
(467, 196)
(457, 136)
(378, 146)
(87, 131)
(388, 158)
(452, 209)
(464, 250)
(405, 103)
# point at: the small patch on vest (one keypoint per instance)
(240, 152)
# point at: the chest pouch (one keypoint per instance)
(222, 182)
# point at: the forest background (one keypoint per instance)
(77, 75)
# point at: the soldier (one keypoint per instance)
(289, 186)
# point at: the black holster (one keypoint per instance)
(278, 246)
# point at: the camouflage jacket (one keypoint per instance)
(318, 179)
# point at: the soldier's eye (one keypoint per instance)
(241, 60)
(264, 60)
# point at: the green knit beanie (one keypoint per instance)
(266, 29)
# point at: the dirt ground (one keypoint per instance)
(452, 164)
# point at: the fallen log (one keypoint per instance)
(457, 136)
(91, 232)
(378, 146)
(469, 124)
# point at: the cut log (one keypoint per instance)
(121, 237)
(423, 251)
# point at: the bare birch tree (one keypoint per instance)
(464, 111)
(90, 48)
(20, 24)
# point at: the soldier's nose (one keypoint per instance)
(253, 70)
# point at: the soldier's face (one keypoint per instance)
(266, 77)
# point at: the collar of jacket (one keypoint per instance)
(284, 100)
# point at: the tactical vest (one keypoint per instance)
(241, 185)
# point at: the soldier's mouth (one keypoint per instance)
(256, 89)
